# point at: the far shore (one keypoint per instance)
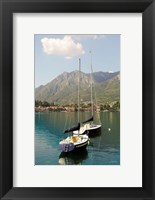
(73, 109)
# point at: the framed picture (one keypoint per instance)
(84, 69)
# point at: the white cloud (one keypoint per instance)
(66, 47)
(84, 37)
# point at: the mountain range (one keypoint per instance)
(64, 88)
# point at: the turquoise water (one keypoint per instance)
(102, 150)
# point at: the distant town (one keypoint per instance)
(41, 106)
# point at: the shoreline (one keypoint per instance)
(57, 109)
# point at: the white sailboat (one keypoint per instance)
(74, 142)
(88, 126)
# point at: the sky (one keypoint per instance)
(55, 54)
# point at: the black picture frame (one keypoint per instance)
(7, 8)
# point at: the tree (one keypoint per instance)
(45, 104)
(38, 103)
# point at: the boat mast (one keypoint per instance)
(79, 90)
(91, 83)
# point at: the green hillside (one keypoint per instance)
(63, 89)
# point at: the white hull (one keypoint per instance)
(74, 143)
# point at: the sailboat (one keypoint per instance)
(88, 126)
(74, 142)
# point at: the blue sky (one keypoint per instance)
(55, 54)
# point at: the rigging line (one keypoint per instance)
(65, 123)
(70, 121)
(79, 90)
(98, 116)
(67, 118)
(91, 83)
(93, 87)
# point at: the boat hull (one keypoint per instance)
(71, 147)
(91, 131)
(77, 146)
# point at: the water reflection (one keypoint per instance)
(94, 134)
(104, 149)
(73, 158)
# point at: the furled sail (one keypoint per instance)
(73, 128)
(88, 120)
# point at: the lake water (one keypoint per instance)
(102, 150)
